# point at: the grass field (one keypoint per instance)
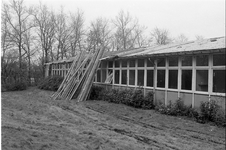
(31, 120)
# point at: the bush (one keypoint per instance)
(124, 96)
(208, 110)
(148, 102)
(95, 92)
(51, 83)
(211, 111)
(16, 86)
(175, 109)
(220, 118)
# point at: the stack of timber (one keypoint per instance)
(79, 79)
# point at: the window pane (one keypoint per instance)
(150, 78)
(110, 71)
(103, 75)
(117, 64)
(132, 63)
(173, 61)
(186, 60)
(161, 78)
(161, 62)
(140, 79)
(103, 64)
(202, 80)
(219, 60)
(186, 79)
(124, 63)
(140, 62)
(202, 60)
(124, 76)
(132, 77)
(219, 81)
(110, 64)
(116, 76)
(150, 62)
(98, 76)
(173, 76)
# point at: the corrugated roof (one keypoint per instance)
(192, 46)
(186, 47)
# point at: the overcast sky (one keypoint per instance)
(190, 17)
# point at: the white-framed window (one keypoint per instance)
(187, 73)
(218, 71)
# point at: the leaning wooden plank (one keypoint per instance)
(66, 78)
(77, 88)
(72, 69)
(73, 80)
(86, 89)
(83, 79)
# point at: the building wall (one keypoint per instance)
(193, 78)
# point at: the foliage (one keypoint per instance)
(16, 86)
(51, 83)
(95, 92)
(208, 111)
(134, 98)
(211, 111)
(175, 109)
(13, 78)
(220, 118)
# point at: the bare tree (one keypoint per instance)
(125, 26)
(99, 34)
(45, 23)
(6, 43)
(77, 31)
(62, 35)
(30, 49)
(181, 38)
(17, 16)
(140, 39)
(161, 36)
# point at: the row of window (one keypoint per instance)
(186, 79)
(177, 77)
(202, 60)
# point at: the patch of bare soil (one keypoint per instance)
(32, 120)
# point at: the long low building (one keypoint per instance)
(192, 71)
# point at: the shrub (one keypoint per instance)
(95, 92)
(148, 102)
(51, 83)
(211, 111)
(220, 118)
(208, 110)
(177, 109)
(128, 97)
(15, 86)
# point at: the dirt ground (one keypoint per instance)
(31, 120)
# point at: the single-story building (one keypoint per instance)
(193, 71)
